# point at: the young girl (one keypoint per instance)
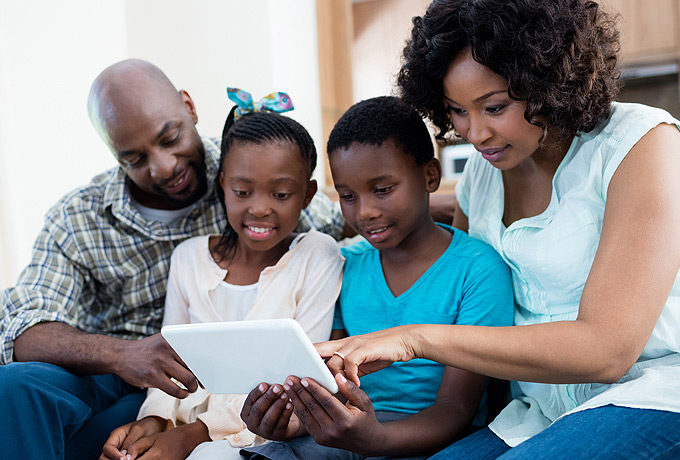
(579, 194)
(257, 269)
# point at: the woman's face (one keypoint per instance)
(483, 113)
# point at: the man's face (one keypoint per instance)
(155, 141)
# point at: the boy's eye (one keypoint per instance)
(383, 190)
(348, 197)
(282, 195)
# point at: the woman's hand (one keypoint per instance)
(268, 412)
(364, 354)
(351, 426)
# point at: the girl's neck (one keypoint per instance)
(245, 265)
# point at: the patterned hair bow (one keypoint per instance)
(274, 102)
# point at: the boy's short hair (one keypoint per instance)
(376, 120)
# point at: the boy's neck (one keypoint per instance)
(406, 263)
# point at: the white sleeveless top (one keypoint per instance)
(550, 256)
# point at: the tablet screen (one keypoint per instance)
(235, 356)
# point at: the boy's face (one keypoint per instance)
(383, 193)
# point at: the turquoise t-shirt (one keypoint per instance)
(469, 284)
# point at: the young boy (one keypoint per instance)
(409, 270)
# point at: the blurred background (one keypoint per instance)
(327, 54)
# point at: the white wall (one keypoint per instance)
(51, 51)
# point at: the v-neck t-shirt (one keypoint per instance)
(468, 284)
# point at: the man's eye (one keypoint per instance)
(170, 141)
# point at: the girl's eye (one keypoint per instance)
(382, 190)
(348, 197)
(241, 193)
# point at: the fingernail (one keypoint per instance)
(260, 387)
(289, 405)
(128, 457)
(289, 383)
(304, 383)
(276, 389)
(284, 396)
(286, 387)
(342, 378)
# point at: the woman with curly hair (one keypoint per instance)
(580, 196)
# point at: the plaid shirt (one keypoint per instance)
(99, 266)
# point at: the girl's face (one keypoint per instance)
(483, 113)
(265, 189)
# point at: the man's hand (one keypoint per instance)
(268, 413)
(150, 363)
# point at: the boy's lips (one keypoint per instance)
(377, 234)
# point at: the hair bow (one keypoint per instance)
(274, 102)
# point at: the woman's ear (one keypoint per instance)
(312, 187)
(433, 175)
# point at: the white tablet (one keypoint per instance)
(235, 356)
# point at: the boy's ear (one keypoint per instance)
(309, 194)
(433, 175)
(222, 180)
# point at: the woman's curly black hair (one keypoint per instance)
(558, 56)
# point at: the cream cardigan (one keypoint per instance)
(303, 285)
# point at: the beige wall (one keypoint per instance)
(51, 51)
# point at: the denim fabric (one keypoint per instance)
(603, 433)
(56, 414)
(305, 448)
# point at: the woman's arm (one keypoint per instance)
(635, 266)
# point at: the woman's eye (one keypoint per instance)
(495, 109)
(456, 111)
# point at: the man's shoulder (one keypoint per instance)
(86, 199)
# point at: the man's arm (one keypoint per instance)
(144, 363)
(39, 316)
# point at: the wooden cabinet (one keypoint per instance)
(650, 31)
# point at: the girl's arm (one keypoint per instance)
(635, 266)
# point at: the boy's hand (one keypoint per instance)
(116, 446)
(268, 412)
(351, 426)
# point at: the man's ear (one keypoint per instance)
(189, 105)
(433, 175)
(312, 187)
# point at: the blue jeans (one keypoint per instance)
(305, 448)
(608, 432)
(49, 412)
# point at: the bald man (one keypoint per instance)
(79, 331)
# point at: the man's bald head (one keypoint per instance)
(123, 89)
